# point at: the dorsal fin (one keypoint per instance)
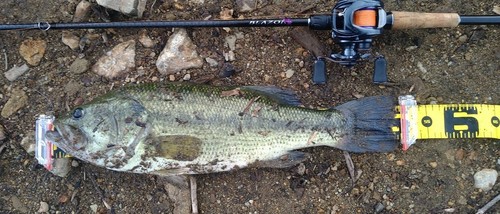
(281, 96)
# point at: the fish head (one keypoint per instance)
(102, 132)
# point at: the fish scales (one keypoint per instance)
(172, 129)
(227, 134)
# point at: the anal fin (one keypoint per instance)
(288, 160)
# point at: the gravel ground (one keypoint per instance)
(458, 65)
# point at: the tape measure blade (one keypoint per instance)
(458, 121)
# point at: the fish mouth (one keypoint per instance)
(68, 138)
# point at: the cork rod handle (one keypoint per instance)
(413, 20)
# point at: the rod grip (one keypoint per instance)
(414, 20)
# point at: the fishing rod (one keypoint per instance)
(353, 24)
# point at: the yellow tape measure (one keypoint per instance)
(456, 121)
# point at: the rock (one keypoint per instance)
(229, 56)
(128, 7)
(93, 207)
(146, 41)
(75, 163)
(211, 62)
(118, 61)
(485, 179)
(468, 56)
(32, 51)
(289, 73)
(433, 164)
(301, 169)
(179, 54)
(421, 67)
(379, 207)
(79, 66)
(496, 9)
(82, 11)
(44, 207)
(18, 205)
(411, 48)
(70, 40)
(17, 100)
(246, 5)
(61, 167)
(227, 70)
(231, 42)
(187, 77)
(28, 144)
(15, 72)
(462, 38)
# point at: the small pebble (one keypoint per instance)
(82, 11)
(187, 77)
(301, 169)
(411, 48)
(496, 9)
(462, 38)
(211, 62)
(231, 42)
(28, 144)
(421, 67)
(379, 207)
(93, 207)
(229, 56)
(227, 70)
(74, 163)
(289, 73)
(17, 100)
(146, 41)
(301, 64)
(171, 77)
(400, 162)
(433, 164)
(70, 40)
(79, 66)
(15, 72)
(44, 207)
(485, 179)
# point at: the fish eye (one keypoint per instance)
(78, 113)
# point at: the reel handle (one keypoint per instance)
(414, 20)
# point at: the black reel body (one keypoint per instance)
(354, 24)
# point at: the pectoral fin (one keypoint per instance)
(290, 159)
(177, 147)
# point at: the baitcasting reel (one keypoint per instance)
(354, 23)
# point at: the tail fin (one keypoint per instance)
(370, 121)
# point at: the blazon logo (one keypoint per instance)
(452, 122)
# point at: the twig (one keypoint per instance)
(350, 167)
(6, 60)
(2, 147)
(489, 205)
(194, 199)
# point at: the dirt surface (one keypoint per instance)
(432, 177)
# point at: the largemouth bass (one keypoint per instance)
(175, 128)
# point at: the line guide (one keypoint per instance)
(445, 121)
